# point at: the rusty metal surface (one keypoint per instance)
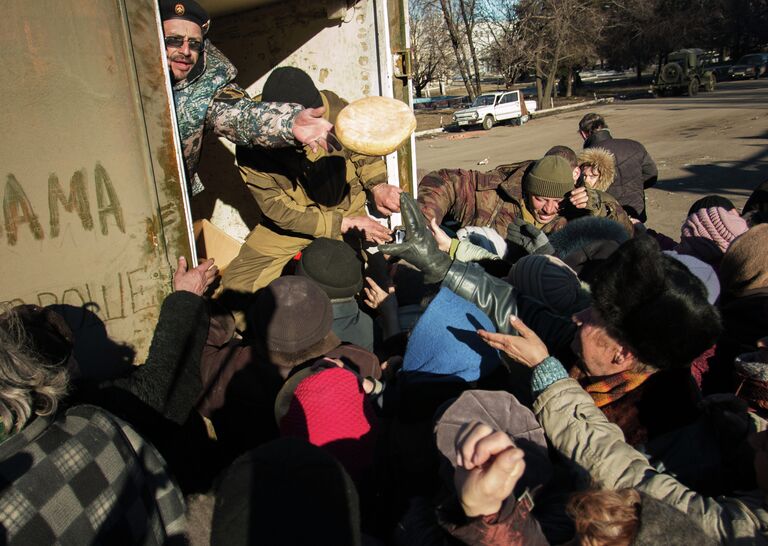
(91, 179)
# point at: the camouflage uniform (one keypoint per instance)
(495, 198)
(208, 100)
(302, 195)
(473, 198)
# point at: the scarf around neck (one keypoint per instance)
(607, 389)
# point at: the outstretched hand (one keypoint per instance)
(419, 247)
(386, 197)
(525, 348)
(310, 128)
(442, 238)
(488, 466)
(195, 280)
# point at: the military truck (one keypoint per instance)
(683, 73)
(96, 208)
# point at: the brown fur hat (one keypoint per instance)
(655, 305)
(604, 161)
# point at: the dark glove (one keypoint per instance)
(419, 247)
(528, 237)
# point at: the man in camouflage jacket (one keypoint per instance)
(495, 198)
(207, 99)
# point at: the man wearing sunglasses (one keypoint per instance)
(206, 97)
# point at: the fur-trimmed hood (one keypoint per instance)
(605, 163)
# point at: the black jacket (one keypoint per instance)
(635, 170)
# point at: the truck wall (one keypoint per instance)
(336, 46)
(93, 213)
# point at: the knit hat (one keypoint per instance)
(551, 177)
(550, 281)
(711, 201)
(715, 224)
(603, 161)
(444, 345)
(745, 266)
(188, 10)
(283, 493)
(333, 265)
(654, 305)
(291, 84)
(501, 411)
(293, 317)
(329, 409)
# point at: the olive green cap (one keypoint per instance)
(551, 176)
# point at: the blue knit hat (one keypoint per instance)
(444, 344)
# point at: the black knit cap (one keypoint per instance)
(290, 84)
(655, 305)
(333, 266)
(189, 10)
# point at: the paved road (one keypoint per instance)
(712, 143)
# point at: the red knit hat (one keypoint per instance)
(330, 410)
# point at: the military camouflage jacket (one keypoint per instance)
(208, 100)
(495, 198)
(473, 198)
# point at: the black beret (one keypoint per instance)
(189, 10)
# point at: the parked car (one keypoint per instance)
(491, 108)
(753, 65)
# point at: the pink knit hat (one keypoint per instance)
(716, 224)
(330, 410)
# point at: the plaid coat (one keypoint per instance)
(208, 100)
(86, 477)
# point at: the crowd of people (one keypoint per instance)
(529, 364)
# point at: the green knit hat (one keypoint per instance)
(551, 176)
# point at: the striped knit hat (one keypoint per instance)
(716, 224)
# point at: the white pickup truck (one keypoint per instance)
(491, 108)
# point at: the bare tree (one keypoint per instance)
(508, 49)
(459, 38)
(428, 44)
(557, 33)
(468, 11)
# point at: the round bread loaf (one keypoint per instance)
(375, 125)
